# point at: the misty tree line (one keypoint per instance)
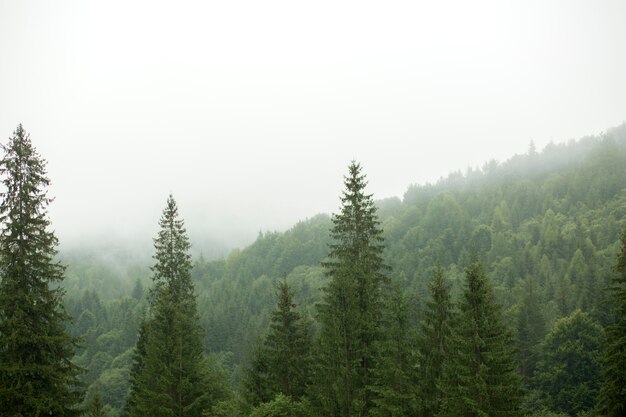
(373, 344)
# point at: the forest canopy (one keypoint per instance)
(531, 241)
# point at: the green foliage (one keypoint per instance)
(282, 406)
(173, 377)
(480, 373)
(531, 328)
(37, 376)
(96, 407)
(282, 364)
(569, 373)
(613, 393)
(434, 344)
(547, 413)
(552, 218)
(139, 353)
(256, 382)
(394, 376)
(351, 312)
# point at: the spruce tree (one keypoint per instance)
(531, 329)
(350, 314)
(37, 376)
(480, 373)
(434, 343)
(173, 377)
(96, 406)
(569, 372)
(613, 392)
(288, 348)
(395, 371)
(257, 388)
(139, 353)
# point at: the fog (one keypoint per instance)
(249, 112)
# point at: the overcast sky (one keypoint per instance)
(250, 111)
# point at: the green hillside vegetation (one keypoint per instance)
(543, 226)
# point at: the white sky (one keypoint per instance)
(250, 111)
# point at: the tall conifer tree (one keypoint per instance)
(394, 376)
(531, 329)
(96, 407)
(288, 347)
(136, 368)
(281, 364)
(350, 313)
(173, 377)
(257, 388)
(434, 344)
(480, 373)
(37, 376)
(613, 392)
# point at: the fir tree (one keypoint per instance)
(96, 407)
(394, 374)
(256, 380)
(569, 372)
(531, 329)
(350, 313)
(139, 354)
(173, 378)
(288, 348)
(434, 343)
(613, 392)
(37, 376)
(480, 373)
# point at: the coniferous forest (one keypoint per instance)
(498, 291)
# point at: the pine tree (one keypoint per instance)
(173, 378)
(434, 343)
(288, 348)
(613, 392)
(37, 376)
(480, 373)
(350, 313)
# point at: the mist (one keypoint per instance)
(249, 113)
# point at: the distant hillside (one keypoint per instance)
(544, 222)
(553, 216)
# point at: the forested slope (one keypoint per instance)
(553, 216)
(545, 224)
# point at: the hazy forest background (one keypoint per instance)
(545, 225)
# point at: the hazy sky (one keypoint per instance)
(250, 111)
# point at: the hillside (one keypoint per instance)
(546, 220)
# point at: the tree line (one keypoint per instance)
(364, 349)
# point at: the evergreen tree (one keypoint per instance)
(531, 329)
(480, 374)
(570, 370)
(281, 363)
(256, 380)
(173, 379)
(37, 376)
(139, 354)
(434, 344)
(613, 393)
(350, 313)
(282, 406)
(394, 374)
(288, 348)
(96, 407)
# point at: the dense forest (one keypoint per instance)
(494, 291)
